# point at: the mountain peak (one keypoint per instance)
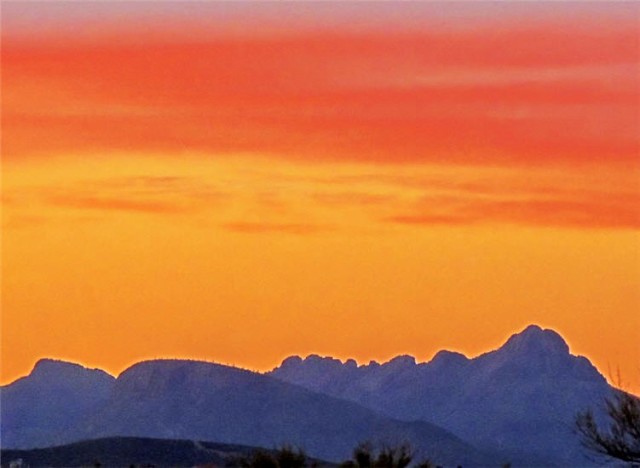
(291, 362)
(166, 367)
(45, 364)
(535, 340)
(63, 374)
(402, 361)
(314, 360)
(326, 363)
(47, 367)
(445, 358)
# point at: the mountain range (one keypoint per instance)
(520, 400)
(515, 404)
(178, 399)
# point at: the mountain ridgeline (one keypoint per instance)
(514, 404)
(520, 399)
(189, 400)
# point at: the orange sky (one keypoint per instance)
(243, 182)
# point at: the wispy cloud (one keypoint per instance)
(87, 202)
(524, 94)
(266, 227)
(165, 195)
(362, 199)
(570, 210)
(310, 199)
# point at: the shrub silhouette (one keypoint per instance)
(401, 456)
(364, 456)
(284, 457)
(620, 440)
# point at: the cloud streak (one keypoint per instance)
(524, 94)
(297, 199)
(87, 202)
(246, 227)
(539, 213)
(165, 195)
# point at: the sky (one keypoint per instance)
(242, 181)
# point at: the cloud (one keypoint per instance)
(145, 194)
(188, 188)
(18, 221)
(352, 198)
(586, 212)
(520, 95)
(267, 227)
(250, 196)
(88, 202)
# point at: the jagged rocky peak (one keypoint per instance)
(446, 358)
(324, 363)
(315, 358)
(535, 339)
(402, 361)
(351, 364)
(292, 362)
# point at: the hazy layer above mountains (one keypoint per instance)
(516, 403)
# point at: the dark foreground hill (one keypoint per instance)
(174, 399)
(128, 451)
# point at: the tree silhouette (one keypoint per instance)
(364, 456)
(284, 457)
(620, 439)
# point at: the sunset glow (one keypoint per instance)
(243, 182)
